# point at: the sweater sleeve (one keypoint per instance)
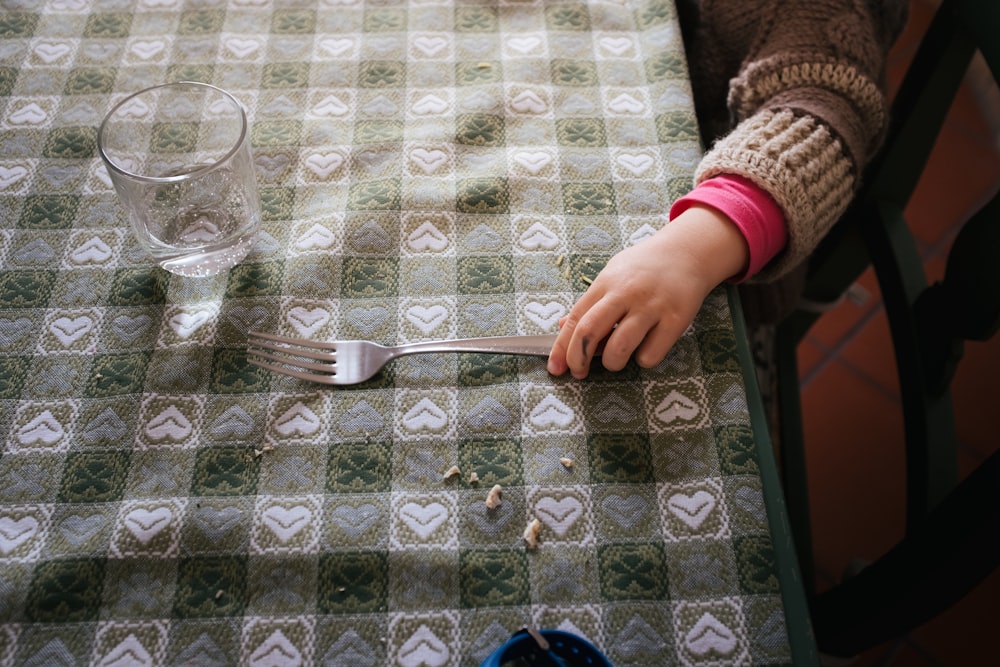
(809, 111)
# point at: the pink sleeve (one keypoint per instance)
(751, 209)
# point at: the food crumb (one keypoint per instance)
(531, 532)
(451, 472)
(566, 462)
(494, 497)
(218, 594)
(473, 477)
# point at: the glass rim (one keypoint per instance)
(110, 163)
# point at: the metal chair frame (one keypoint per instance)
(950, 543)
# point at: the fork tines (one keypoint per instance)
(294, 356)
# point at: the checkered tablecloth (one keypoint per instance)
(427, 169)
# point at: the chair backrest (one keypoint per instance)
(928, 324)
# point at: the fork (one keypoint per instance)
(347, 362)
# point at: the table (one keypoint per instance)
(427, 169)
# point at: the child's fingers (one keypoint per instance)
(588, 335)
(556, 364)
(657, 344)
(622, 341)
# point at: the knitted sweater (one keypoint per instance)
(790, 95)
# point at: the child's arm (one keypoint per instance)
(652, 292)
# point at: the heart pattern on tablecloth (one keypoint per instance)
(145, 524)
(626, 511)
(710, 636)
(559, 514)
(13, 330)
(217, 522)
(298, 421)
(423, 649)
(78, 529)
(429, 160)
(423, 520)
(16, 532)
(286, 522)
(355, 520)
(693, 508)
(185, 324)
(427, 318)
(545, 315)
(11, 175)
(68, 330)
(490, 521)
(307, 321)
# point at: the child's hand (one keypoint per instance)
(647, 295)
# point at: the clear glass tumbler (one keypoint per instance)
(179, 157)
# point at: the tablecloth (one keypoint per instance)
(427, 169)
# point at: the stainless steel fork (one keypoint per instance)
(352, 361)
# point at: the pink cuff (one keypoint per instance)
(751, 209)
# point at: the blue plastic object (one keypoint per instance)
(558, 649)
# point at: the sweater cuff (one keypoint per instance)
(750, 208)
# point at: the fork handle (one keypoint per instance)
(529, 345)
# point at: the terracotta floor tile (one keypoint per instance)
(906, 44)
(960, 176)
(854, 436)
(936, 262)
(965, 109)
(966, 112)
(810, 356)
(842, 319)
(870, 352)
(965, 162)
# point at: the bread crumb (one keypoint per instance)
(451, 472)
(473, 477)
(493, 498)
(531, 533)
(566, 462)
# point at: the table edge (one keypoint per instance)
(796, 607)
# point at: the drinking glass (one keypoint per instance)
(179, 158)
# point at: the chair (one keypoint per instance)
(950, 542)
